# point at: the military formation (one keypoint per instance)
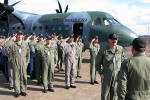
(39, 56)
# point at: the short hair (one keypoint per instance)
(139, 44)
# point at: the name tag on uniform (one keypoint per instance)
(72, 52)
(20, 50)
(48, 53)
(114, 60)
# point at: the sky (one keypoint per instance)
(135, 14)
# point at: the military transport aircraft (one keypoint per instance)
(87, 24)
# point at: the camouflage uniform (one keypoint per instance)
(21, 57)
(110, 60)
(94, 48)
(48, 66)
(134, 80)
(80, 47)
(38, 60)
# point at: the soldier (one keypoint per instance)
(60, 53)
(108, 63)
(10, 63)
(21, 56)
(70, 62)
(80, 47)
(4, 58)
(94, 48)
(27, 38)
(134, 80)
(38, 60)
(32, 45)
(54, 43)
(48, 65)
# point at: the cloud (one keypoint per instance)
(145, 1)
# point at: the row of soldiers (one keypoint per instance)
(121, 79)
(42, 56)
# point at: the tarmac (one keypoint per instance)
(84, 90)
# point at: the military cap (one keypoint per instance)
(48, 38)
(40, 35)
(96, 37)
(113, 36)
(71, 36)
(19, 33)
(12, 35)
(139, 43)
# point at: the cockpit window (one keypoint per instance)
(113, 21)
(106, 22)
(96, 22)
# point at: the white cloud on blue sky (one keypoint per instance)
(133, 13)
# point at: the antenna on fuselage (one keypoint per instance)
(60, 8)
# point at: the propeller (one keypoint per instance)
(60, 8)
(5, 11)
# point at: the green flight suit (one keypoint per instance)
(38, 60)
(32, 43)
(54, 43)
(48, 66)
(80, 47)
(61, 55)
(94, 49)
(134, 78)
(21, 57)
(7, 45)
(108, 64)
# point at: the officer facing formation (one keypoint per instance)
(134, 77)
(38, 59)
(94, 49)
(70, 62)
(80, 47)
(48, 65)
(108, 63)
(21, 57)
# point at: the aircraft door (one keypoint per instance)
(77, 30)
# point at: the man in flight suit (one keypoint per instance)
(70, 62)
(60, 53)
(80, 47)
(32, 45)
(108, 63)
(48, 65)
(21, 57)
(134, 77)
(94, 48)
(38, 61)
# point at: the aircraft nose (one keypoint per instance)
(127, 35)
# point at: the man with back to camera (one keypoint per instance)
(134, 76)
(108, 64)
